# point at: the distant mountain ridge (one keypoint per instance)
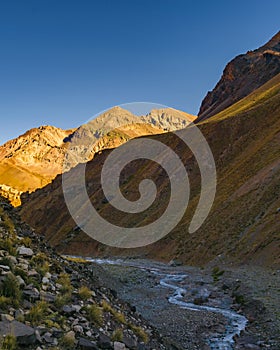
(35, 158)
(244, 74)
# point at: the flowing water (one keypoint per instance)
(236, 322)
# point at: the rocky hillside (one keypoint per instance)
(168, 119)
(117, 126)
(242, 225)
(47, 302)
(31, 161)
(244, 74)
(34, 159)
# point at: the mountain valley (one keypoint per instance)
(215, 288)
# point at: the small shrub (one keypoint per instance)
(39, 258)
(9, 245)
(217, 273)
(139, 332)
(40, 262)
(4, 303)
(10, 289)
(95, 314)
(26, 241)
(21, 273)
(7, 223)
(34, 280)
(51, 324)
(239, 299)
(85, 293)
(55, 267)
(20, 318)
(60, 320)
(107, 307)
(117, 335)
(7, 262)
(38, 313)
(67, 342)
(62, 300)
(9, 342)
(119, 317)
(65, 282)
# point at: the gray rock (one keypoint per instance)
(85, 344)
(45, 280)
(24, 334)
(32, 273)
(6, 317)
(38, 336)
(48, 297)
(4, 267)
(57, 333)
(20, 281)
(18, 313)
(77, 308)
(23, 266)
(68, 309)
(78, 329)
(32, 294)
(48, 338)
(13, 259)
(48, 275)
(23, 251)
(104, 342)
(89, 333)
(27, 304)
(119, 346)
(130, 343)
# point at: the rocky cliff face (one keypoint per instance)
(11, 194)
(168, 119)
(242, 75)
(37, 150)
(31, 161)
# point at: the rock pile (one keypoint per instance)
(47, 302)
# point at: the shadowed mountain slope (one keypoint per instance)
(243, 225)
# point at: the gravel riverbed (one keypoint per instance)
(249, 291)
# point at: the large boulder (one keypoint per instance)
(104, 342)
(24, 334)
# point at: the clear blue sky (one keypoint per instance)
(64, 61)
